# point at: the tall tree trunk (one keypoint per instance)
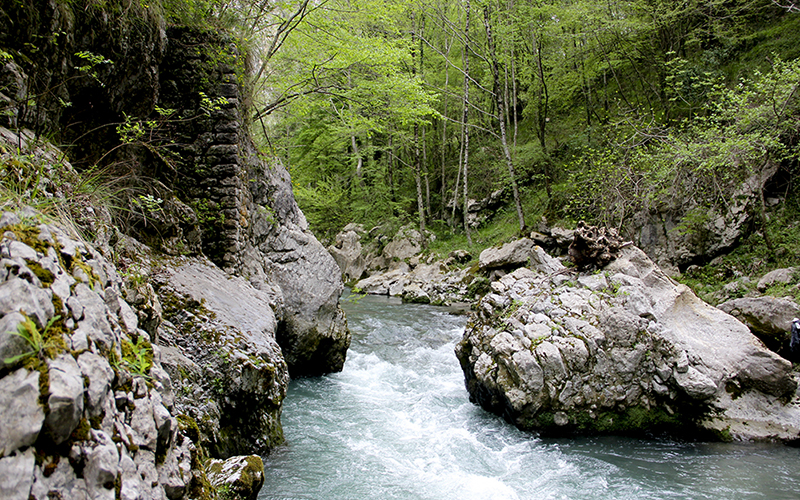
(390, 173)
(465, 121)
(543, 101)
(417, 155)
(448, 45)
(501, 117)
(354, 140)
(418, 180)
(425, 173)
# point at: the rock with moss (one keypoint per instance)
(219, 336)
(624, 350)
(237, 478)
(85, 392)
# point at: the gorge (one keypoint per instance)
(171, 327)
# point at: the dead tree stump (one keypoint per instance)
(594, 247)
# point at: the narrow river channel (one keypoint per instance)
(396, 423)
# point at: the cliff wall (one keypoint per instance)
(209, 265)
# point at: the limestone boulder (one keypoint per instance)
(242, 476)
(769, 318)
(347, 252)
(518, 253)
(776, 277)
(513, 254)
(227, 355)
(626, 349)
(281, 253)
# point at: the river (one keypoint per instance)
(396, 423)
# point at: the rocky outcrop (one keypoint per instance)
(177, 105)
(433, 283)
(682, 233)
(347, 252)
(622, 350)
(769, 318)
(85, 393)
(219, 345)
(250, 221)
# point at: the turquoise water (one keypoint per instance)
(396, 423)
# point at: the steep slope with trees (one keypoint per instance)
(666, 120)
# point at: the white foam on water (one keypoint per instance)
(397, 424)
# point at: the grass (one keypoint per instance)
(41, 178)
(38, 341)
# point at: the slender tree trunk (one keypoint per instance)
(417, 155)
(390, 172)
(443, 145)
(501, 117)
(543, 103)
(425, 173)
(418, 180)
(354, 140)
(465, 121)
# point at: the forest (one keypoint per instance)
(398, 110)
(482, 120)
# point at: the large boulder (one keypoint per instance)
(517, 253)
(347, 252)
(623, 350)
(224, 331)
(781, 276)
(769, 318)
(280, 251)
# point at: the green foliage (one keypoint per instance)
(742, 132)
(137, 357)
(90, 62)
(207, 105)
(28, 331)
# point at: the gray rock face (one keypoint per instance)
(347, 252)
(242, 476)
(65, 401)
(769, 318)
(23, 416)
(661, 237)
(252, 226)
(280, 251)
(623, 350)
(228, 356)
(88, 384)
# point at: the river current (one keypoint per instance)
(396, 423)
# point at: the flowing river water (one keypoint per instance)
(396, 423)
